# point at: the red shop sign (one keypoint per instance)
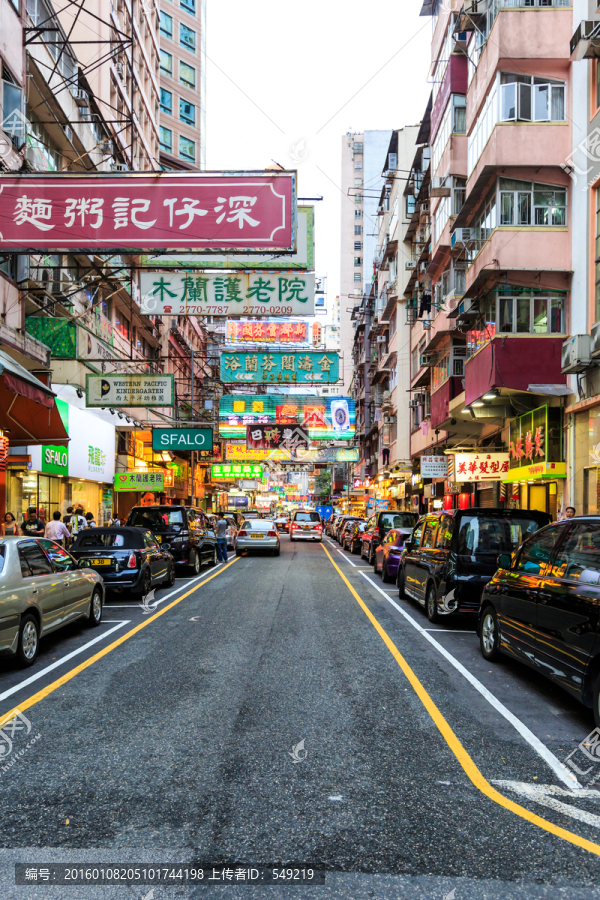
(220, 211)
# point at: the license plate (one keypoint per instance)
(158, 538)
(259, 536)
(306, 527)
(100, 562)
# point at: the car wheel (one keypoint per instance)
(95, 616)
(238, 552)
(385, 577)
(29, 640)
(431, 604)
(488, 637)
(375, 569)
(400, 583)
(213, 559)
(362, 551)
(277, 552)
(372, 557)
(146, 583)
(194, 562)
(171, 576)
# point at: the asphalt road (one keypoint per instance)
(292, 711)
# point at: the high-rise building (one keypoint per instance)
(182, 84)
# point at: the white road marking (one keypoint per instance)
(182, 587)
(64, 659)
(450, 631)
(346, 558)
(559, 769)
(543, 794)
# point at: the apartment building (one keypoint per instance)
(363, 155)
(182, 84)
(496, 284)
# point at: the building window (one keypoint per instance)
(166, 63)
(530, 99)
(187, 37)
(358, 214)
(187, 148)
(166, 102)
(358, 198)
(187, 75)
(358, 244)
(166, 25)
(524, 203)
(358, 261)
(123, 325)
(165, 139)
(357, 277)
(187, 112)
(358, 229)
(358, 182)
(517, 311)
(454, 121)
(189, 6)
(358, 165)
(357, 146)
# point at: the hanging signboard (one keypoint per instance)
(269, 331)
(479, 466)
(242, 453)
(139, 481)
(229, 472)
(249, 211)
(236, 502)
(324, 418)
(302, 259)
(272, 437)
(239, 294)
(434, 467)
(536, 437)
(130, 390)
(304, 367)
(182, 439)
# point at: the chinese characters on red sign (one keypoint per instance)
(267, 332)
(164, 210)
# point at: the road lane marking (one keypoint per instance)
(466, 762)
(559, 769)
(60, 662)
(134, 604)
(348, 560)
(451, 631)
(543, 794)
(50, 688)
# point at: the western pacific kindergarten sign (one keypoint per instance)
(203, 211)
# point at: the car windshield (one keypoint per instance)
(307, 517)
(158, 518)
(101, 540)
(493, 534)
(399, 520)
(258, 525)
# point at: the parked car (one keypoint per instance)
(451, 556)
(346, 531)
(126, 558)
(378, 526)
(353, 541)
(232, 530)
(42, 588)
(340, 525)
(258, 534)
(388, 553)
(306, 526)
(185, 532)
(329, 524)
(542, 607)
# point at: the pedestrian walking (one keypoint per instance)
(9, 526)
(89, 520)
(32, 526)
(221, 531)
(57, 530)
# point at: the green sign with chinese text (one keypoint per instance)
(294, 367)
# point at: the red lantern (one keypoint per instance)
(448, 501)
(464, 501)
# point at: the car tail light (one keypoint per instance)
(319, 528)
(132, 562)
(294, 525)
(271, 534)
(243, 533)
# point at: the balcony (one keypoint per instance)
(441, 399)
(523, 145)
(514, 362)
(533, 249)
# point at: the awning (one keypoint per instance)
(24, 400)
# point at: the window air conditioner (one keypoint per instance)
(464, 237)
(576, 354)
(119, 69)
(414, 404)
(82, 97)
(409, 264)
(118, 167)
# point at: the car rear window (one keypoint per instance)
(480, 535)
(104, 540)
(307, 517)
(157, 518)
(399, 520)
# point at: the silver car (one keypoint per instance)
(306, 526)
(42, 588)
(258, 534)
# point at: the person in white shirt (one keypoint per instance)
(56, 530)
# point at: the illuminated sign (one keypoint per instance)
(304, 367)
(229, 472)
(269, 331)
(323, 418)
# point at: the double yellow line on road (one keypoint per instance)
(452, 740)
(49, 689)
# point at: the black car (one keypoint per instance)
(126, 558)
(186, 532)
(378, 526)
(542, 607)
(451, 556)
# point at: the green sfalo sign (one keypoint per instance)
(182, 439)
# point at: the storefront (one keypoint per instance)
(53, 477)
(536, 462)
(587, 461)
(475, 480)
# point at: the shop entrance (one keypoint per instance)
(590, 491)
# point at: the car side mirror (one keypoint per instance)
(83, 564)
(408, 545)
(505, 561)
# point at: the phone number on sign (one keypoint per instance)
(228, 310)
